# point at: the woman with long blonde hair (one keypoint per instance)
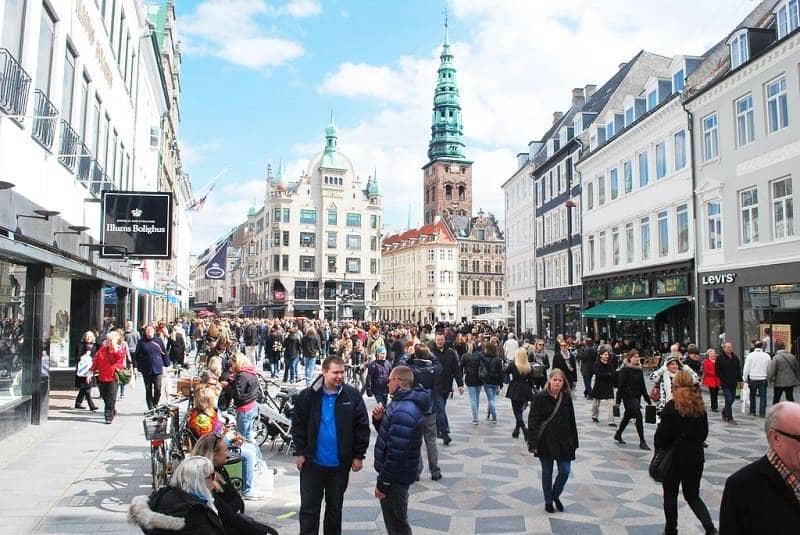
(684, 425)
(520, 389)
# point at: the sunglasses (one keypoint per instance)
(788, 435)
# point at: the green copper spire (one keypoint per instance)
(278, 178)
(446, 129)
(373, 189)
(331, 158)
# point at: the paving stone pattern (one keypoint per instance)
(78, 475)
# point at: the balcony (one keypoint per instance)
(68, 150)
(99, 180)
(84, 163)
(15, 84)
(44, 121)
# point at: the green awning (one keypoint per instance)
(632, 309)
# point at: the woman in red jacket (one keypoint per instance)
(710, 378)
(109, 358)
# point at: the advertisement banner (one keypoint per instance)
(138, 221)
(215, 268)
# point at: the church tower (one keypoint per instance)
(447, 176)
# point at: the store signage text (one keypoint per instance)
(86, 23)
(141, 222)
(719, 278)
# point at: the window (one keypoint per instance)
(661, 160)
(476, 266)
(276, 215)
(276, 238)
(745, 129)
(353, 265)
(285, 262)
(476, 287)
(627, 172)
(487, 287)
(782, 208)
(615, 245)
(609, 130)
(682, 220)
(748, 202)
(373, 266)
(331, 240)
(306, 263)
(69, 86)
(788, 18)
(630, 116)
(643, 171)
(373, 243)
(332, 216)
(286, 238)
(601, 249)
(710, 141)
(353, 219)
(589, 196)
(307, 239)
(663, 234)
(739, 49)
(353, 242)
(590, 250)
(714, 224)
(83, 119)
(332, 264)
(12, 31)
(431, 277)
(644, 232)
(629, 243)
(308, 216)
(777, 106)
(286, 215)
(498, 288)
(614, 179)
(432, 255)
(678, 81)
(652, 99)
(373, 221)
(44, 66)
(601, 190)
(680, 150)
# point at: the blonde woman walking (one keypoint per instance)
(520, 390)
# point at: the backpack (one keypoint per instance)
(483, 372)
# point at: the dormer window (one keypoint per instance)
(788, 17)
(630, 115)
(652, 99)
(740, 51)
(609, 130)
(678, 81)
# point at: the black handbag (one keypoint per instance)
(661, 463)
(650, 414)
(615, 410)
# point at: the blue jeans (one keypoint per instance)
(244, 422)
(310, 364)
(293, 369)
(759, 386)
(730, 396)
(491, 393)
(250, 456)
(122, 389)
(474, 400)
(442, 424)
(549, 489)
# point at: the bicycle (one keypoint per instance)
(354, 376)
(168, 442)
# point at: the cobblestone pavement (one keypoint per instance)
(78, 475)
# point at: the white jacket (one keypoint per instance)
(756, 366)
(84, 366)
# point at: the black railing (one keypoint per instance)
(98, 180)
(44, 121)
(15, 84)
(68, 150)
(84, 163)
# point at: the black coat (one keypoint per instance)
(310, 346)
(177, 349)
(352, 423)
(605, 375)
(756, 499)
(687, 434)
(630, 386)
(291, 346)
(559, 439)
(170, 511)
(470, 363)
(521, 386)
(450, 371)
(587, 357)
(494, 368)
(729, 370)
(230, 507)
(560, 363)
(244, 388)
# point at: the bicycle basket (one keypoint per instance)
(156, 429)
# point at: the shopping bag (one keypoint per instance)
(263, 479)
(745, 398)
(650, 414)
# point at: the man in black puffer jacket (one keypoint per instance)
(398, 460)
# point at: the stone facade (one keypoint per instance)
(448, 189)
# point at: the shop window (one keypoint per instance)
(629, 288)
(715, 307)
(15, 363)
(674, 285)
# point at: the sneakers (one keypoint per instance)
(252, 497)
(595, 420)
(436, 476)
(474, 422)
(494, 420)
(643, 446)
(447, 440)
(549, 508)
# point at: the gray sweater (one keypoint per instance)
(783, 370)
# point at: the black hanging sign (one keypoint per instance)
(215, 268)
(140, 221)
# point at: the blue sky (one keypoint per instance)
(259, 78)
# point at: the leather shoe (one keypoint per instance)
(618, 438)
(549, 508)
(436, 476)
(558, 504)
(447, 440)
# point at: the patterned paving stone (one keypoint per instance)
(500, 524)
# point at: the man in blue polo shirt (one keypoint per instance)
(330, 431)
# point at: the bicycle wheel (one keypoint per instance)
(260, 431)
(158, 465)
(176, 455)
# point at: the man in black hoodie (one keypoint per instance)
(444, 384)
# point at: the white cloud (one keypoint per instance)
(193, 152)
(230, 30)
(303, 8)
(225, 207)
(517, 62)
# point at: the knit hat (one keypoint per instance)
(380, 349)
(672, 358)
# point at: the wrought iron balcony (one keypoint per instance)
(99, 181)
(15, 84)
(44, 121)
(84, 164)
(68, 150)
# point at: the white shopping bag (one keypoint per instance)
(263, 479)
(745, 398)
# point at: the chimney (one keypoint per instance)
(557, 115)
(577, 97)
(588, 91)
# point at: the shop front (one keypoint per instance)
(647, 309)
(559, 312)
(748, 304)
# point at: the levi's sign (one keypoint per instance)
(139, 221)
(719, 278)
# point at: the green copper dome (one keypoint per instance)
(331, 157)
(446, 128)
(373, 189)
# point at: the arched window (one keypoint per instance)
(448, 192)
(427, 193)
(462, 192)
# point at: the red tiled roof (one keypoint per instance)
(438, 228)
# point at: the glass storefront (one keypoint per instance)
(60, 348)
(773, 312)
(14, 365)
(546, 325)
(715, 317)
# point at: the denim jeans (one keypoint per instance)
(758, 388)
(442, 424)
(395, 510)
(244, 422)
(549, 489)
(730, 396)
(294, 370)
(474, 399)
(491, 393)
(310, 364)
(250, 456)
(122, 389)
